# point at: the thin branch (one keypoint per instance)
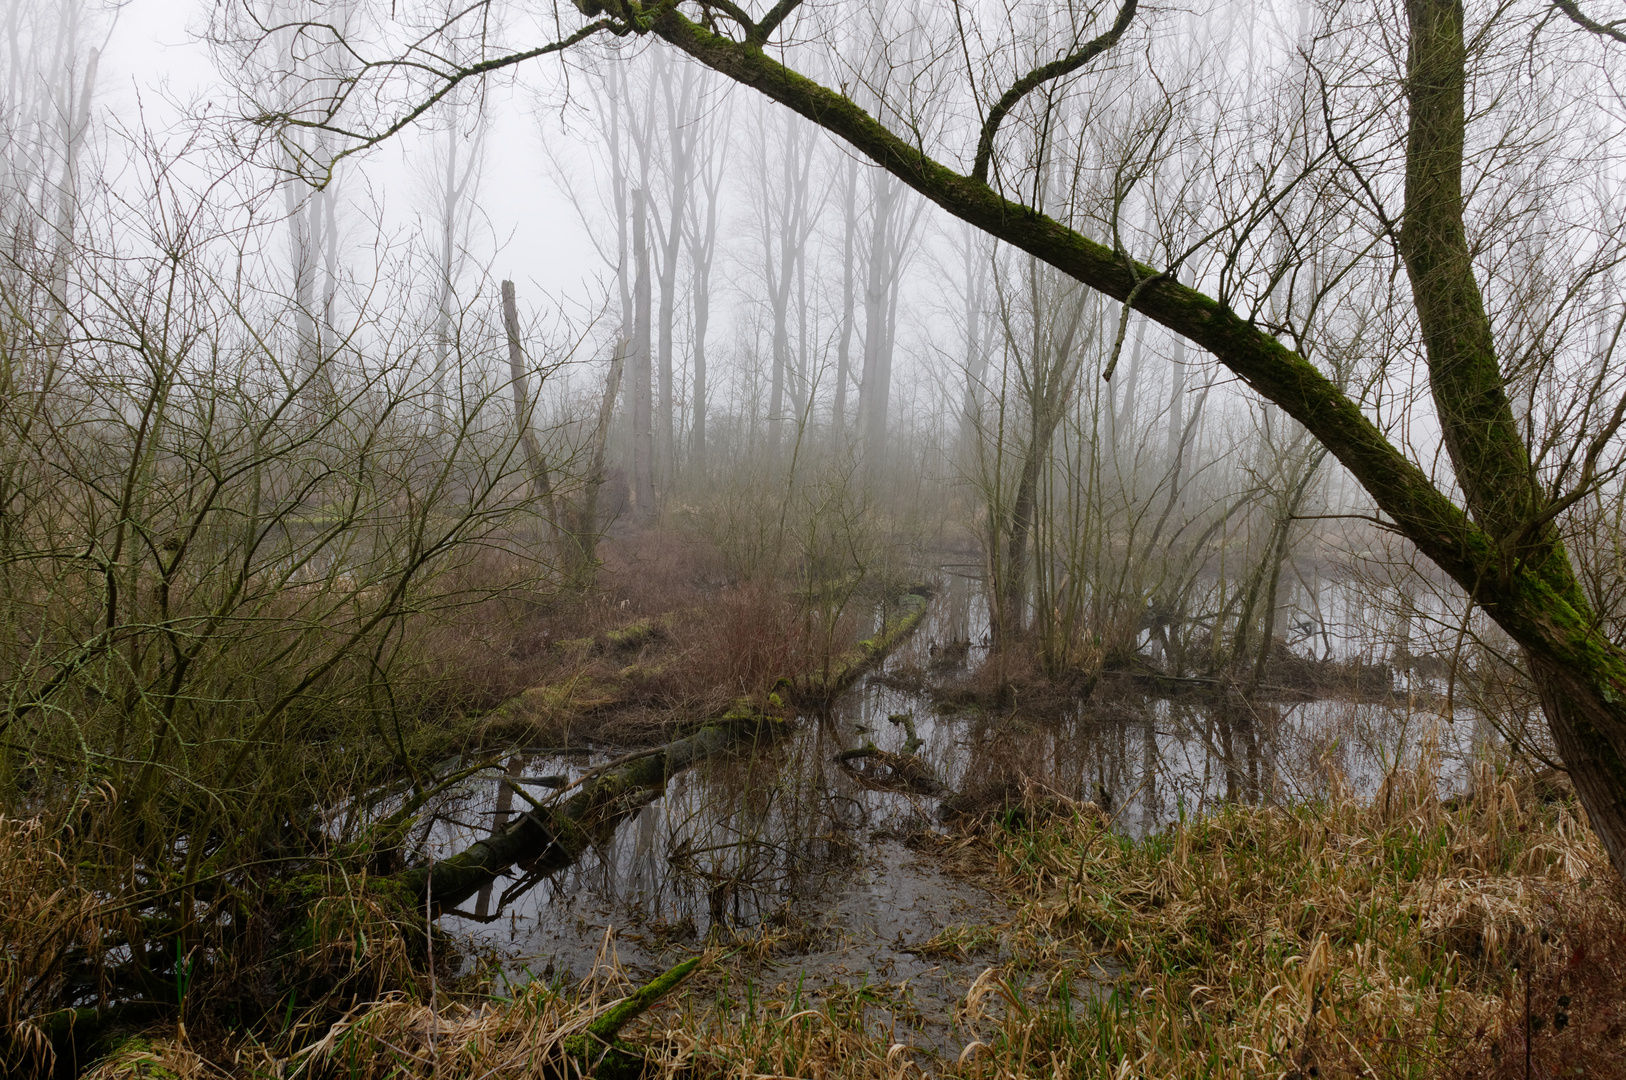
(452, 81)
(1038, 77)
(1573, 10)
(770, 22)
(1123, 322)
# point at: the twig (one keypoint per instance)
(429, 940)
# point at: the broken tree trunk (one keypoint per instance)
(584, 525)
(536, 464)
(905, 773)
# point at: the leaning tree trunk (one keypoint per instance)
(1583, 702)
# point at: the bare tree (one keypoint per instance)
(711, 159)
(1495, 523)
(643, 435)
(459, 163)
(787, 215)
(680, 85)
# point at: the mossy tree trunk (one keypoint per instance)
(1577, 671)
(1497, 546)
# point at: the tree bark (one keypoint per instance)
(535, 462)
(1527, 588)
(1489, 456)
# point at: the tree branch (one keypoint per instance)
(1573, 10)
(365, 141)
(770, 22)
(1038, 77)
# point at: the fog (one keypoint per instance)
(479, 485)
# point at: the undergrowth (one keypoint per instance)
(1389, 937)
(1398, 936)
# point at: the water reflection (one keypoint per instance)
(778, 836)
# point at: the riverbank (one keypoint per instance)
(1395, 935)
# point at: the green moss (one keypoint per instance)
(616, 1060)
(632, 636)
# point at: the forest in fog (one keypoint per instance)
(985, 539)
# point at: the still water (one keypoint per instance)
(835, 881)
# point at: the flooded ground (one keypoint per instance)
(825, 883)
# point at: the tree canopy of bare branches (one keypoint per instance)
(1277, 184)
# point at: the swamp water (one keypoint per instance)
(823, 883)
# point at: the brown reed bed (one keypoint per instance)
(1403, 935)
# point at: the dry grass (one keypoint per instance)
(45, 914)
(1382, 938)
(1390, 937)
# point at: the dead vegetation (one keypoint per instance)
(122, 905)
(669, 640)
(1397, 936)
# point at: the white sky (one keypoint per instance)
(155, 53)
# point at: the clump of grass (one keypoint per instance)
(1341, 938)
(47, 916)
(958, 941)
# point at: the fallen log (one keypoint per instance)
(821, 689)
(561, 833)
